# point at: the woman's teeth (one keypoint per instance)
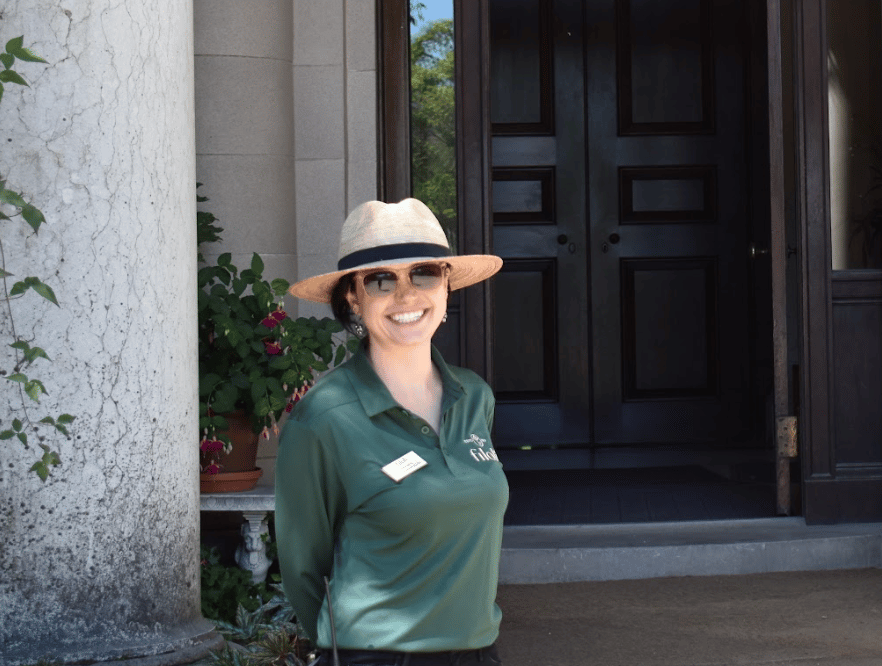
(407, 317)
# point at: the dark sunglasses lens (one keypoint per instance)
(426, 276)
(381, 282)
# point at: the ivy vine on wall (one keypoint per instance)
(25, 388)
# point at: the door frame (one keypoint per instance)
(472, 154)
(834, 491)
(823, 493)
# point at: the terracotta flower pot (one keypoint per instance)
(238, 468)
(229, 482)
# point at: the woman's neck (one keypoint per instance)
(410, 367)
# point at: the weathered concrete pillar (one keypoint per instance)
(101, 562)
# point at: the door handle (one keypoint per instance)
(755, 251)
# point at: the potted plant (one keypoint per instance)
(255, 362)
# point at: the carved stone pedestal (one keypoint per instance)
(254, 504)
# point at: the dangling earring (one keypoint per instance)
(357, 325)
(444, 318)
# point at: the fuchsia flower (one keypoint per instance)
(273, 318)
(273, 348)
(210, 445)
(213, 468)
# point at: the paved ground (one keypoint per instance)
(824, 618)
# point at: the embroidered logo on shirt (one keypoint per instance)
(481, 454)
(474, 439)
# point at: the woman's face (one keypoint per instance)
(395, 312)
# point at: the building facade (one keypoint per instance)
(683, 193)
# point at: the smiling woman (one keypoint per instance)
(378, 485)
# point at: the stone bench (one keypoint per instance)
(254, 505)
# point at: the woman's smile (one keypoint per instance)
(407, 317)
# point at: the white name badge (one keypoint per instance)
(404, 466)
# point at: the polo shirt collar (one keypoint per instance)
(375, 397)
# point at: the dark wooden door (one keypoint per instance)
(619, 203)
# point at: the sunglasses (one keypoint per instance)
(385, 282)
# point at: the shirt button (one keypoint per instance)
(425, 430)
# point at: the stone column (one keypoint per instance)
(101, 562)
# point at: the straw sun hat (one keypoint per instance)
(380, 234)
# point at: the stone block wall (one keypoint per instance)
(285, 132)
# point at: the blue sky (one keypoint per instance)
(435, 9)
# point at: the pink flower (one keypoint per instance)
(213, 468)
(210, 445)
(289, 406)
(273, 318)
(272, 347)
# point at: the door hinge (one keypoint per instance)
(786, 436)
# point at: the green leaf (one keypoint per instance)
(20, 344)
(277, 404)
(66, 418)
(258, 391)
(34, 388)
(256, 264)
(11, 76)
(37, 285)
(33, 216)
(16, 425)
(45, 291)
(34, 353)
(12, 198)
(60, 428)
(280, 286)
(17, 377)
(7, 434)
(23, 438)
(27, 55)
(48, 419)
(339, 355)
(41, 469)
(225, 399)
(7, 59)
(207, 384)
(4, 273)
(15, 44)
(262, 407)
(1, 98)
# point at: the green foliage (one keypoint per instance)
(256, 620)
(226, 588)
(433, 123)
(26, 388)
(252, 356)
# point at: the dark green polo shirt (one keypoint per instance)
(413, 564)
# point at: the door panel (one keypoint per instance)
(622, 219)
(538, 185)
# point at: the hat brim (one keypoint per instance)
(465, 270)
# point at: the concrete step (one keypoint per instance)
(564, 553)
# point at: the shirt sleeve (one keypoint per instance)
(310, 503)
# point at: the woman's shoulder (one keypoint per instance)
(330, 392)
(468, 378)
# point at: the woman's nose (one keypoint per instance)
(404, 289)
